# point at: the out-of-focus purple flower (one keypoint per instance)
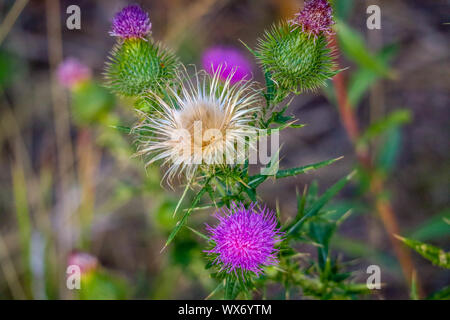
(83, 260)
(244, 240)
(230, 60)
(315, 18)
(131, 22)
(72, 72)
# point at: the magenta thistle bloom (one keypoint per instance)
(131, 22)
(72, 72)
(231, 60)
(244, 239)
(315, 18)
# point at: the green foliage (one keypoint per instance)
(389, 149)
(24, 222)
(138, 65)
(363, 78)
(324, 278)
(256, 180)
(317, 206)
(9, 68)
(443, 294)
(392, 120)
(353, 46)
(295, 61)
(91, 103)
(100, 285)
(435, 227)
(186, 214)
(342, 9)
(434, 254)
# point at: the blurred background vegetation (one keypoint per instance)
(69, 181)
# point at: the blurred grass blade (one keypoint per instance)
(389, 149)
(353, 46)
(392, 120)
(435, 227)
(23, 220)
(414, 295)
(9, 271)
(361, 80)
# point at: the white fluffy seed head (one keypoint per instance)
(202, 122)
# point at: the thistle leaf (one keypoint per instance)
(434, 254)
(256, 180)
(315, 207)
(186, 215)
(201, 235)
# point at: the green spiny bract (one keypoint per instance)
(296, 62)
(138, 65)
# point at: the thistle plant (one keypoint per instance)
(137, 63)
(296, 54)
(191, 121)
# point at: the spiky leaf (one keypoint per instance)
(434, 254)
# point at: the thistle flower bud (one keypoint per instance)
(83, 260)
(137, 64)
(296, 62)
(231, 60)
(244, 240)
(71, 73)
(297, 54)
(315, 18)
(131, 22)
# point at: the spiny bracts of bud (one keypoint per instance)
(139, 65)
(315, 18)
(244, 240)
(131, 22)
(296, 62)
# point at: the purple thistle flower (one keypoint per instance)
(244, 239)
(72, 72)
(315, 18)
(230, 59)
(131, 22)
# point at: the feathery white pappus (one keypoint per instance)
(203, 121)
